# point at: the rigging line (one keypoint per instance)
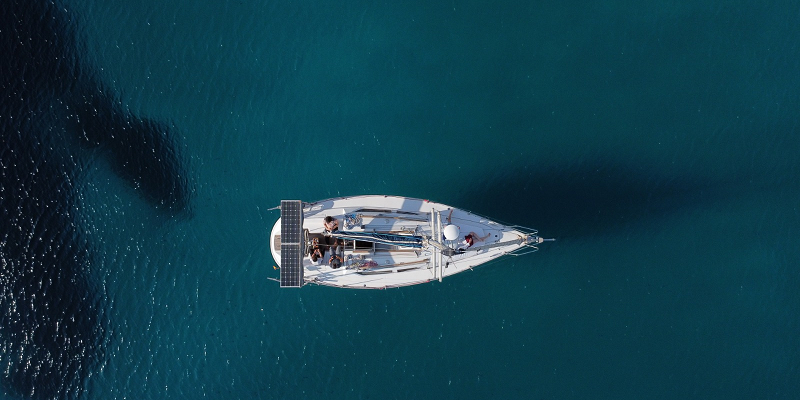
(535, 249)
(498, 221)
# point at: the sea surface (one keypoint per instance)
(144, 143)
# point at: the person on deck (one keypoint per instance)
(331, 224)
(316, 251)
(470, 239)
(336, 258)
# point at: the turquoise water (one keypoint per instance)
(657, 142)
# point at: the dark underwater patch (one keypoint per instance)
(141, 150)
(52, 318)
(51, 321)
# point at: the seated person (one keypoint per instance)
(331, 224)
(317, 252)
(335, 260)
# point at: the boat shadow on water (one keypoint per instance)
(53, 322)
(588, 200)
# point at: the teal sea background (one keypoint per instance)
(658, 142)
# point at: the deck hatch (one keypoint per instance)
(292, 245)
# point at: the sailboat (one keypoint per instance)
(380, 242)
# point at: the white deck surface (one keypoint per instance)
(397, 266)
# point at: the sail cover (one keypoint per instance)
(382, 238)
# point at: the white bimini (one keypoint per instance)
(379, 242)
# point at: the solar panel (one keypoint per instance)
(291, 221)
(292, 243)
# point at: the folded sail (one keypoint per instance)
(382, 238)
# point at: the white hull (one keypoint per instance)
(380, 266)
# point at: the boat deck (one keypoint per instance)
(375, 265)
